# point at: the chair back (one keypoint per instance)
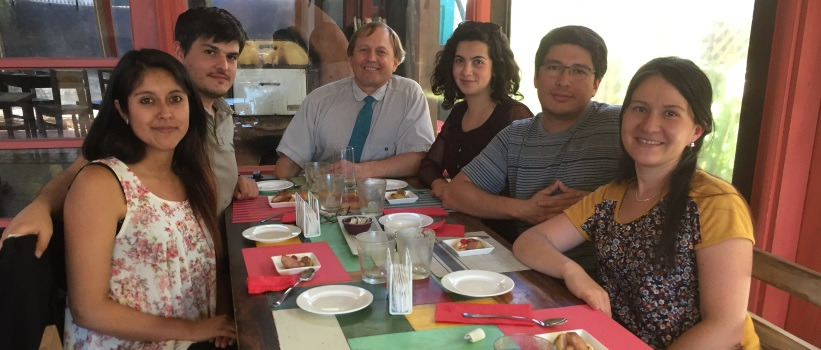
(792, 278)
(73, 82)
(103, 77)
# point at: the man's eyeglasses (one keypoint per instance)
(556, 69)
(333, 217)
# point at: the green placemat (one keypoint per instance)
(332, 234)
(451, 338)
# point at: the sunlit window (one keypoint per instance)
(713, 34)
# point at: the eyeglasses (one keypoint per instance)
(333, 217)
(486, 27)
(556, 69)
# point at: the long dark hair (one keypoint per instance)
(506, 74)
(110, 136)
(695, 87)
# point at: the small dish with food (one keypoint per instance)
(282, 200)
(468, 246)
(400, 196)
(292, 264)
(357, 224)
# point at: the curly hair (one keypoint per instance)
(506, 75)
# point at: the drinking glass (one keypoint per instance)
(312, 171)
(417, 244)
(344, 165)
(329, 190)
(521, 341)
(371, 195)
(372, 249)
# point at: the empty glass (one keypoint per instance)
(521, 341)
(329, 190)
(313, 170)
(372, 249)
(344, 165)
(371, 195)
(417, 244)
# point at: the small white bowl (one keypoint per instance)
(283, 271)
(410, 199)
(281, 204)
(451, 242)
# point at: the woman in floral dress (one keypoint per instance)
(140, 220)
(673, 243)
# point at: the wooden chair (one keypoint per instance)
(103, 77)
(80, 112)
(792, 278)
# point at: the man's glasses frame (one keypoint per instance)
(576, 71)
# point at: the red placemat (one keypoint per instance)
(452, 313)
(597, 323)
(253, 210)
(258, 262)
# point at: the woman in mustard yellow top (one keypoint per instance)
(673, 243)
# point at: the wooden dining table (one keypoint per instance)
(255, 317)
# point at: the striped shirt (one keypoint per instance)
(527, 158)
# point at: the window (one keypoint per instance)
(64, 28)
(713, 34)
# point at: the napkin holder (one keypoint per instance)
(307, 215)
(400, 283)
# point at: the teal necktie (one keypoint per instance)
(361, 128)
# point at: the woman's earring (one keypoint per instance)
(692, 144)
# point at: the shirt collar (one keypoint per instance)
(378, 95)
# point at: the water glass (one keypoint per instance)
(417, 244)
(329, 190)
(312, 171)
(344, 165)
(371, 195)
(521, 341)
(373, 248)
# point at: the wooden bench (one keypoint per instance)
(792, 278)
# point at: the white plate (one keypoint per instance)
(393, 185)
(293, 271)
(477, 283)
(274, 185)
(426, 220)
(271, 233)
(334, 299)
(487, 247)
(410, 199)
(597, 345)
(351, 239)
(288, 204)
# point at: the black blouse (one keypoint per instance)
(454, 148)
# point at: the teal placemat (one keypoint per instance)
(332, 234)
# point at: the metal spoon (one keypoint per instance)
(546, 323)
(304, 276)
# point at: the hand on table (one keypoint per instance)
(34, 219)
(437, 187)
(246, 188)
(585, 288)
(219, 329)
(544, 204)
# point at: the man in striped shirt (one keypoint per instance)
(552, 160)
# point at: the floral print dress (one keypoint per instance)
(655, 303)
(163, 264)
